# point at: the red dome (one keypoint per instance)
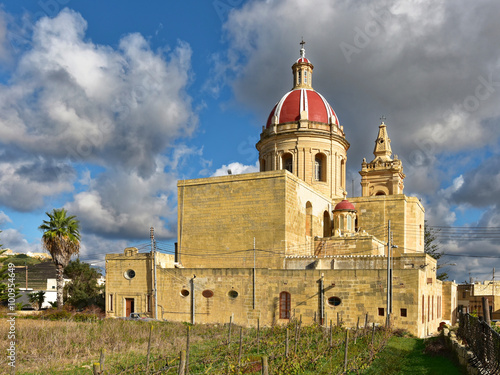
(292, 103)
(303, 60)
(345, 205)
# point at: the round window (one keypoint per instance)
(334, 301)
(129, 274)
(184, 292)
(207, 293)
(232, 294)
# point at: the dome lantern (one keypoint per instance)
(302, 71)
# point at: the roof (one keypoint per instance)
(290, 106)
(345, 205)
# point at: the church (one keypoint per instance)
(286, 243)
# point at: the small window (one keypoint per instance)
(129, 274)
(305, 76)
(232, 294)
(404, 313)
(184, 292)
(110, 302)
(149, 302)
(429, 280)
(380, 311)
(334, 301)
(207, 293)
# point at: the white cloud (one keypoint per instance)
(76, 112)
(123, 204)
(14, 240)
(25, 184)
(236, 168)
(72, 98)
(4, 218)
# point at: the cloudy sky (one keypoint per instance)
(105, 105)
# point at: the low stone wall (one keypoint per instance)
(465, 357)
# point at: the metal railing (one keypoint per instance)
(483, 341)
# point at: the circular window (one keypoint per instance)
(334, 301)
(207, 293)
(129, 274)
(184, 292)
(232, 294)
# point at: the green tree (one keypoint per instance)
(83, 290)
(431, 247)
(4, 276)
(61, 238)
(37, 298)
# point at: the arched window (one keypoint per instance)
(285, 305)
(305, 76)
(262, 165)
(320, 167)
(300, 77)
(287, 160)
(349, 222)
(309, 229)
(327, 226)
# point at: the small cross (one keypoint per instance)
(302, 43)
(383, 118)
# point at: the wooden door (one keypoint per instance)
(129, 306)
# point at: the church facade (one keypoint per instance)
(286, 243)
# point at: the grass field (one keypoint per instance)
(406, 355)
(69, 347)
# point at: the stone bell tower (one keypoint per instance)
(383, 175)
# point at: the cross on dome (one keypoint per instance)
(302, 49)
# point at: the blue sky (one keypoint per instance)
(105, 105)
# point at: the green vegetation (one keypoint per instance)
(20, 260)
(61, 238)
(4, 282)
(431, 247)
(125, 342)
(83, 290)
(408, 355)
(37, 299)
(80, 337)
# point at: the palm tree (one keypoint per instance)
(61, 238)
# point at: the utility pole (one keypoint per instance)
(254, 275)
(389, 286)
(153, 253)
(193, 306)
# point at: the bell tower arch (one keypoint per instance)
(383, 175)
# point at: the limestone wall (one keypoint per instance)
(219, 217)
(360, 292)
(405, 213)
